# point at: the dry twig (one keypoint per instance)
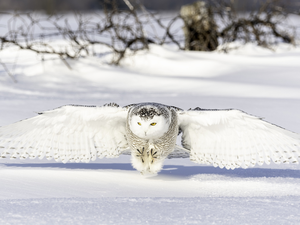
(8, 72)
(124, 31)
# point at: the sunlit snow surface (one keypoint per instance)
(110, 191)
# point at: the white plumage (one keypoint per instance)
(224, 138)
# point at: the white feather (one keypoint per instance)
(224, 138)
(67, 133)
(235, 139)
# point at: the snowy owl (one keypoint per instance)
(148, 131)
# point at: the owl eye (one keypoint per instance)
(139, 123)
(153, 124)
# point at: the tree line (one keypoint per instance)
(51, 6)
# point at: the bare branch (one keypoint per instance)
(127, 2)
(8, 72)
(126, 32)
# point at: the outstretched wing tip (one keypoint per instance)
(70, 133)
(232, 139)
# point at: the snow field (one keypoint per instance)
(110, 191)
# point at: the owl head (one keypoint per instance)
(149, 121)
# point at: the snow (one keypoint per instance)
(206, 210)
(109, 191)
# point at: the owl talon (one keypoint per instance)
(140, 151)
(153, 154)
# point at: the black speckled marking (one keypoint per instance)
(148, 113)
(149, 110)
(112, 104)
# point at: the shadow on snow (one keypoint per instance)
(171, 170)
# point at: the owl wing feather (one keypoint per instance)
(232, 139)
(69, 133)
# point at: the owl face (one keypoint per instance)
(149, 128)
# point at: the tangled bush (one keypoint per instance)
(133, 29)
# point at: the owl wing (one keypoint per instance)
(69, 133)
(232, 139)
